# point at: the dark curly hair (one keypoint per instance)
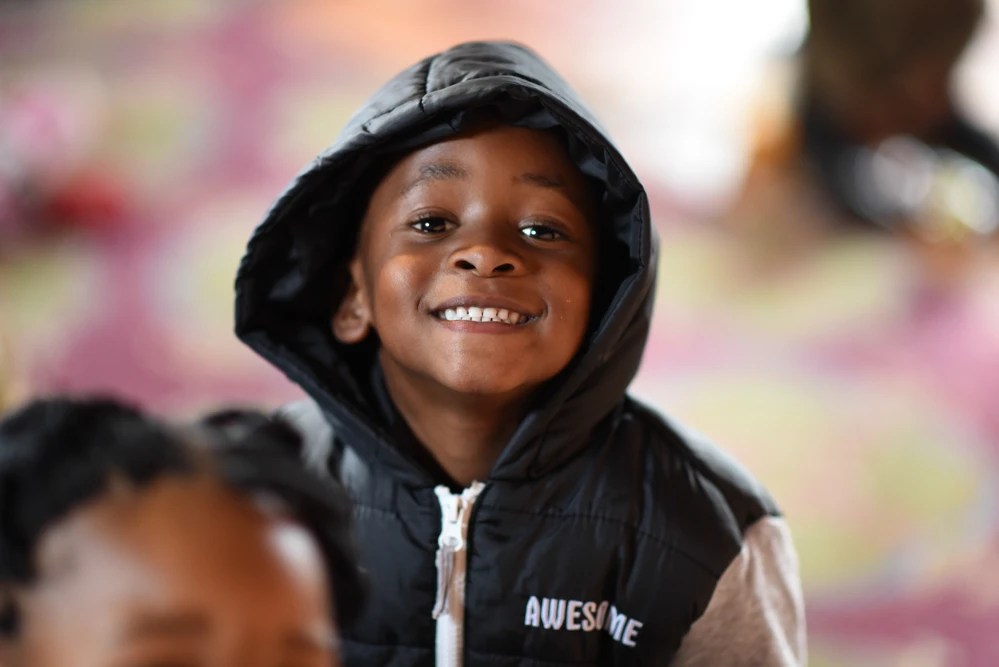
(58, 454)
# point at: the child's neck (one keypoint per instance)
(464, 433)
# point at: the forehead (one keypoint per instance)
(182, 542)
(500, 155)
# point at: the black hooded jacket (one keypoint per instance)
(596, 498)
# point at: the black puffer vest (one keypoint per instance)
(603, 529)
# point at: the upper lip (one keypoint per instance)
(498, 302)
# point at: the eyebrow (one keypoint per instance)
(541, 180)
(437, 171)
(167, 625)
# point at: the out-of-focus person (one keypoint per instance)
(124, 541)
(51, 181)
(874, 136)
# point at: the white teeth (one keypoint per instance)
(479, 314)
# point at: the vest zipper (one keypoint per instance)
(449, 608)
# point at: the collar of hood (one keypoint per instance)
(284, 287)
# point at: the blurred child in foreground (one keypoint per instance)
(124, 541)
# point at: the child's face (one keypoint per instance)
(184, 573)
(495, 223)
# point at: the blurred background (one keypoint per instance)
(828, 302)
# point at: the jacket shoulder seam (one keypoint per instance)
(653, 421)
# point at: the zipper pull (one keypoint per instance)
(445, 566)
(449, 541)
(455, 513)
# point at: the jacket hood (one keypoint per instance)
(286, 285)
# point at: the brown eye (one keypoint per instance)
(432, 225)
(541, 232)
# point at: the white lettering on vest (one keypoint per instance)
(616, 625)
(602, 614)
(577, 615)
(572, 618)
(533, 612)
(631, 632)
(589, 622)
(552, 613)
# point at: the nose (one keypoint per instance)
(486, 259)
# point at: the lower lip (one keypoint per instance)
(467, 326)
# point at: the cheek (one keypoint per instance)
(576, 295)
(397, 286)
(302, 568)
(570, 300)
(68, 626)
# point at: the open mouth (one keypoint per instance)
(483, 314)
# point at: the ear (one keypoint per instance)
(352, 319)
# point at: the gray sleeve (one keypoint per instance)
(756, 615)
(317, 435)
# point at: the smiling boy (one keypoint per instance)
(475, 265)
(463, 284)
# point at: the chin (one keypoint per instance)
(483, 383)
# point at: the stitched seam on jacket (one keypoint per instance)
(707, 474)
(600, 140)
(379, 510)
(426, 85)
(549, 514)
